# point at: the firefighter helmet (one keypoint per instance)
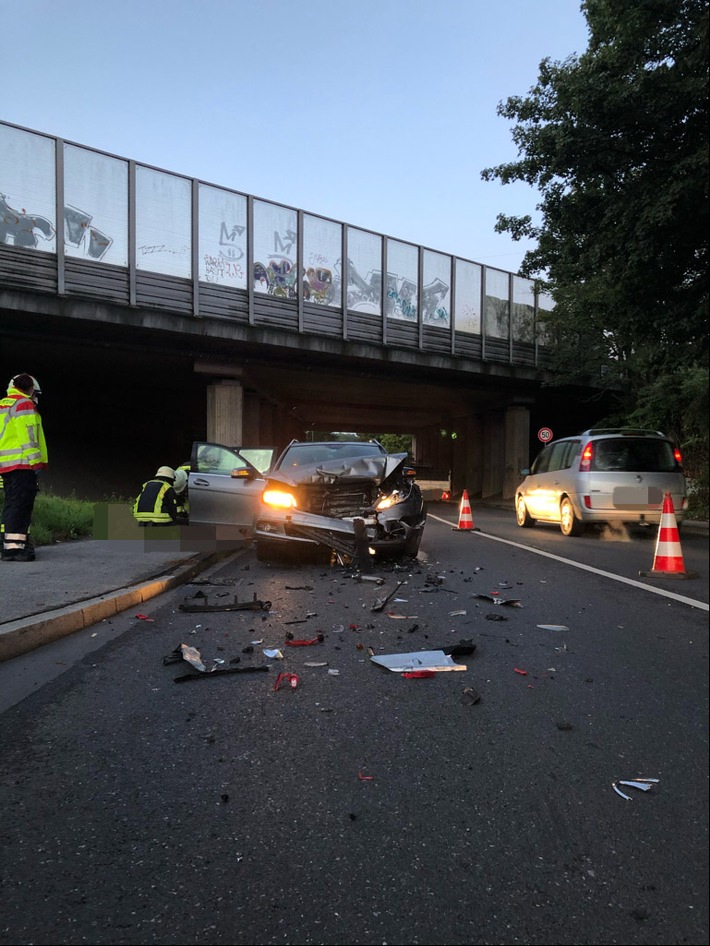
(180, 480)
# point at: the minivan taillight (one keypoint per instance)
(586, 461)
(678, 457)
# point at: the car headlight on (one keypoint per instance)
(279, 499)
(386, 502)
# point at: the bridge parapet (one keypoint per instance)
(79, 223)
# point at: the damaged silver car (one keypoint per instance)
(346, 497)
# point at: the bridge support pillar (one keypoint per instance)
(517, 447)
(225, 412)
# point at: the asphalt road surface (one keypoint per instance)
(361, 806)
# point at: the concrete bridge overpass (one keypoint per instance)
(157, 309)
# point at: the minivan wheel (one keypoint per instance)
(522, 516)
(569, 523)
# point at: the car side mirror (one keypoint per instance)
(242, 473)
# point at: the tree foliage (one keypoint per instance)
(616, 142)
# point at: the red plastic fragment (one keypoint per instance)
(144, 617)
(419, 673)
(365, 778)
(304, 643)
(523, 673)
(291, 677)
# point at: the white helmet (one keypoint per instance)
(36, 389)
(166, 471)
(180, 480)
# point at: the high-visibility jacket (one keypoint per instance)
(157, 502)
(22, 443)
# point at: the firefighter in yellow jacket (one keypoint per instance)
(158, 504)
(23, 453)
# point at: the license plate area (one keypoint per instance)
(637, 497)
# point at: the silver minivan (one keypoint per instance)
(603, 475)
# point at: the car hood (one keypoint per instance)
(378, 469)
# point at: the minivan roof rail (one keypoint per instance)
(625, 431)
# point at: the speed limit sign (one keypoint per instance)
(544, 434)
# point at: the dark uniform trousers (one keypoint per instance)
(21, 487)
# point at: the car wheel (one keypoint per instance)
(522, 516)
(569, 523)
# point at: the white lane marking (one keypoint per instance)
(587, 568)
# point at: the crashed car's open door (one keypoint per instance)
(225, 484)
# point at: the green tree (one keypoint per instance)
(616, 142)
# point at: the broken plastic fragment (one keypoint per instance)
(455, 613)
(316, 663)
(553, 627)
(193, 656)
(144, 617)
(619, 792)
(274, 653)
(365, 778)
(523, 673)
(291, 677)
(416, 674)
(469, 696)
(305, 643)
(419, 660)
(511, 602)
(644, 784)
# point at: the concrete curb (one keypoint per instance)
(26, 634)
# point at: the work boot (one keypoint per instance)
(18, 555)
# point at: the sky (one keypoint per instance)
(376, 113)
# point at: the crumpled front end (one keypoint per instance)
(341, 505)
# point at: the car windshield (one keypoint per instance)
(306, 454)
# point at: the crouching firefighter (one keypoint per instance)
(157, 504)
(23, 453)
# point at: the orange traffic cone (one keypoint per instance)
(465, 517)
(668, 559)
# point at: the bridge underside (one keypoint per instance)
(129, 389)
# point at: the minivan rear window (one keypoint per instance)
(630, 455)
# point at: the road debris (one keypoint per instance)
(290, 642)
(643, 784)
(419, 660)
(292, 679)
(190, 654)
(379, 603)
(200, 602)
(365, 778)
(462, 649)
(418, 674)
(274, 653)
(469, 696)
(553, 627)
(494, 599)
(144, 617)
(523, 673)
(209, 675)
